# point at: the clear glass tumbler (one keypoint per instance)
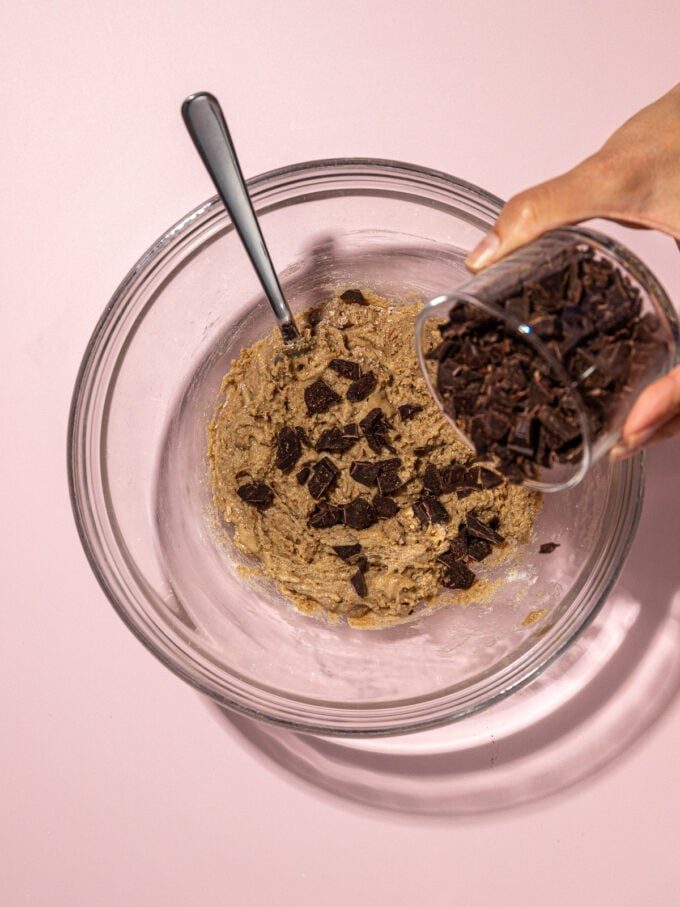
(537, 360)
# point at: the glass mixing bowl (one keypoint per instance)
(142, 498)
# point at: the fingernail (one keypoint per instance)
(625, 449)
(620, 452)
(484, 252)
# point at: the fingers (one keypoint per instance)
(582, 193)
(655, 415)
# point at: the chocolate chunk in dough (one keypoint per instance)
(325, 515)
(421, 513)
(448, 558)
(389, 481)
(303, 436)
(359, 514)
(347, 552)
(338, 439)
(468, 483)
(479, 549)
(429, 509)
(364, 472)
(319, 397)
(385, 507)
(345, 368)
(288, 448)
(436, 510)
(458, 576)
(480, 530)
(355, 296)
(487, 478)
(359, 584)
(451, 477)
(432, 480)
(257, 494)
(408, 410)
(460, 544)
(375, 421)
(303, 475)
(548, 547)
(362, 387)
(324, 474)
(375, 427)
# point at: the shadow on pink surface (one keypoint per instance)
(573, 721)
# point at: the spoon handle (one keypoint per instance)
(207, 127)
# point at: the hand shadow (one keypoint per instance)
(572, 722)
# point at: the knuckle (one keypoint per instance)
(525, 212)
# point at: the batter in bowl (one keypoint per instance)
(342, 478)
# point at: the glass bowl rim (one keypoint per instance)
(334, 719)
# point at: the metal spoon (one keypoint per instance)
(207, 127)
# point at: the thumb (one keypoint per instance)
(577, 195)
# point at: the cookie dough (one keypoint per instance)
(340, 475)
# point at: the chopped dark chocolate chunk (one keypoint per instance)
(347, 552)
(359, 583)
(302, 436)
(378, 442)
(449, 558)
(421, 513)
(314, 316)
(362, 563)
(487, 478)
(519, 307)
(422, 451)
(385, 507)
(359, 514)
(479, 549)
(288, 448)
(389, 481)
(345, 368)
(339, 440)
(303, 475)
(325, 515)
(324, 474)
(319, 397)
(257, 494)
(364, 472)
(548, 547)
(451, 477)
(432, 480)
(362, 387)
(523, 436)
(513, 472)
(458, 576)
(375, 427)
(429, 509)
(436, 510)
(355, 296)
(375, 420)
(459, 545)
(480, 530)
(408, 410)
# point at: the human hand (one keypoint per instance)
(633, 179)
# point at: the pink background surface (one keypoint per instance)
(120, 785)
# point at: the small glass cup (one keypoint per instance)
(546, 353)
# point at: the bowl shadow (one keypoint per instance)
(570, 724)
